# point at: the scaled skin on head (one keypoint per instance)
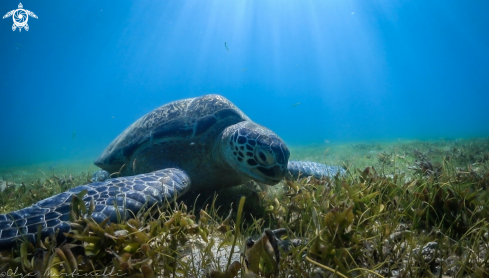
(255, 152)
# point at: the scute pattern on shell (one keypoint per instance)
(140, 130)
(186, 113)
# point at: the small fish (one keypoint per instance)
(73, 135)
(226, 45)
(295, 105)
(244, 69)
(134, 165)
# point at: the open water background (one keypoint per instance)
(361, 70)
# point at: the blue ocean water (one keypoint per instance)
(361, 70)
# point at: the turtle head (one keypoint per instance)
(255, 152)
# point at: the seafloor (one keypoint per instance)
(398, 154)
(404, 208)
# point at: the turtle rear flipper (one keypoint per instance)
(14, 27)
(26, 27)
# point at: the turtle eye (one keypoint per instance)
(263, 157)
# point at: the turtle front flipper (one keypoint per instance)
(302, 169)
(116, 199)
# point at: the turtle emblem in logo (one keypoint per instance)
(20, 17)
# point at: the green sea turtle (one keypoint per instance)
(204, 143)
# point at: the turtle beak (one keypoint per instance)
(270, 176)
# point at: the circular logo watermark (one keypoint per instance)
(20, 18)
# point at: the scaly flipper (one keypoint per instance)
(9, 14)
(301, 169)
(31, 13)
(124, 196)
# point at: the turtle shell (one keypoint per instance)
(178, 134)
